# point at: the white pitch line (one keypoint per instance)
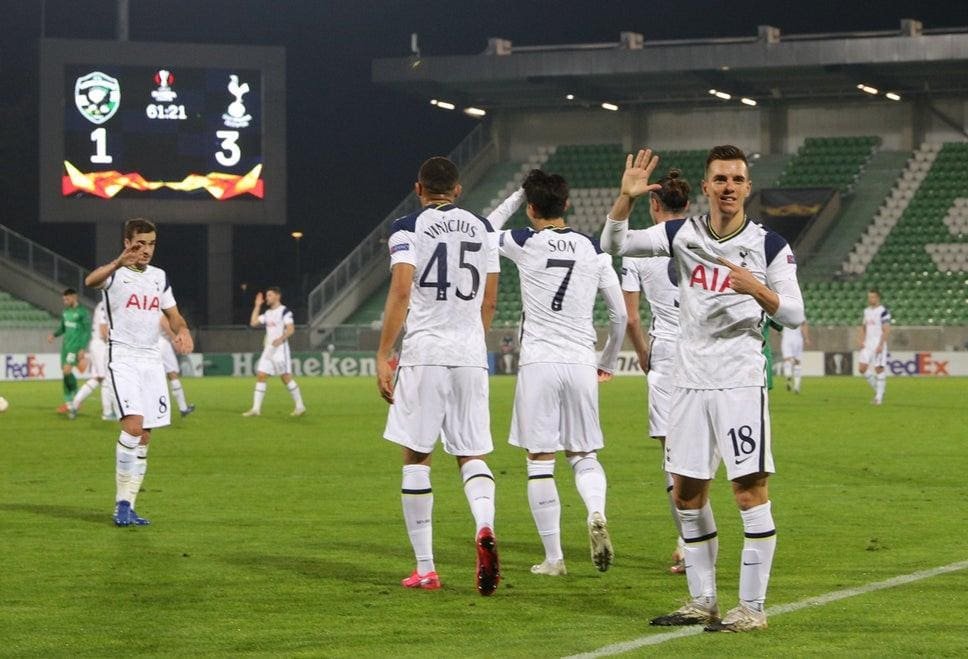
(820, 600)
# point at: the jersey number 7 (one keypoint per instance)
(559, 297)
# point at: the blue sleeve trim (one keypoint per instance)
(487, 224)
(671, 271)
(406, 223)
(772, 244)
(521, 235)
(594, 241)
(672, 228)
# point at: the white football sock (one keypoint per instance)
(179, 393)
(138, 473)
(258, 396)
(418, 506)
(702, 547)
(294, 392)
(545, 506)
(870, 380)
(797, 376)
(786, 369)
(84, 392)
(590, 481)
(479, 489)
(758, 548)
(672, 507)
(125, 456)
(880, 384)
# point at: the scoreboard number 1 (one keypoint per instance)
(100, 138)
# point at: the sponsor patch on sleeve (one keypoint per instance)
(402, 247)
(791, 258)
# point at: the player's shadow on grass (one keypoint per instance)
(61, 512)
(311, 567)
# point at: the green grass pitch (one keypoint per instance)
(284, 536)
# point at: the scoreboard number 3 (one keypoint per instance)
(230, 153)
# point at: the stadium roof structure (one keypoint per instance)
(769, 68)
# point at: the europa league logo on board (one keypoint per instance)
(97, 96)
(164, 94)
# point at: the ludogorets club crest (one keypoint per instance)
(97, 96)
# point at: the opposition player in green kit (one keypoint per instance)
(75, 326)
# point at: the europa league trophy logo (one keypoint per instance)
(235, 116)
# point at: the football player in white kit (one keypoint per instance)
(443, 285)
(656, 278)
(136, 294)
(275, 358)
(792, 341)
(732, 273)
(556, 396)
(97, 351)
(172, 370)
(874, 333)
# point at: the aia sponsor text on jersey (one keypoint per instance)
(708, 278)
(143, 302)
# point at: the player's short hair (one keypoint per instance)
(726, 152)
(674, 194)
(438, 175)
(275, 289)
(875, 291)
(137, 225)
(69, 291)
(548, 193)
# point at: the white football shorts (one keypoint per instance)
(275, 360)
(707, 426)
(168, 357)
(97, 355)
(875, 359)
(449, 402)
(660, 379)
(141, 389)
(556, 409)
(791, 345)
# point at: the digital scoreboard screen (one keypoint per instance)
(175, 132)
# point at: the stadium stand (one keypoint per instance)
(829, 162)
(18, 314)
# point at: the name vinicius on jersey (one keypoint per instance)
(451, 226)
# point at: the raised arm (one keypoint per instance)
(256, 310)
(97, 277)
(500, 215)
(635, 183)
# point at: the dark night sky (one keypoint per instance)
(353, 148)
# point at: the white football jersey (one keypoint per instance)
(874, 320)
(275, 321)
(656, 279)
(452, 251)
(720, 331)
(134, 300)
(561, 271)
(98, 318)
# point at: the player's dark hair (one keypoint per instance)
(548, 193)
(874, 291)
(674, 194)
(69, 291)
(275, 289)
(438, 175)
(726, 152)
(137, 225)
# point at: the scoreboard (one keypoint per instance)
(179, 133)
